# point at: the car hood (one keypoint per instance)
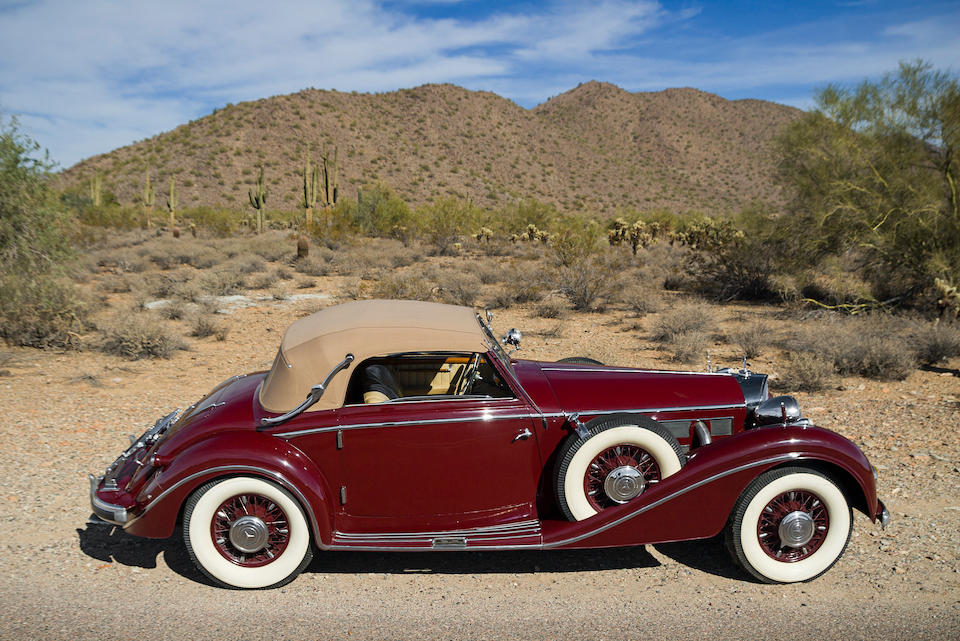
(588, 389)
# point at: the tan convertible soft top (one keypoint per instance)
(312, 346)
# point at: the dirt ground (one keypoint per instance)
(68, 414)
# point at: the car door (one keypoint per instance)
(437, 464)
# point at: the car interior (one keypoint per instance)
(427, 376)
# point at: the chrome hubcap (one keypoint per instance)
(624, 483)
(249, 534)
(796, 529)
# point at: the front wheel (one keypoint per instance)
(790, 524)
(245, 532)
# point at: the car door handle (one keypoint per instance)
(522, 436)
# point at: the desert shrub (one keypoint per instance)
(174, 310)
(640, 301)
(871, 356)
(42, 311)
(305, 283)
(750, 338)
(247, 264)
(873, 346)
(406, 286)
(683, 319)
(587, 283)
(222, 282)
(220, 222)
(459, 289)
(313, 267)
(273, 246)
(442, 223)
(380, 212)
(550, 307)
(189, 290)
(205, 325)
(935, 342)
(489, 273)
(138, 337)
(690, 347)
(279, 293)
(114, 284)
(808, 372)
(284, 274)
(201, 257)
(264, 280)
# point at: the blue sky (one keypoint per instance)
(88, 76)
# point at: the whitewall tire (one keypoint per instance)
(790, 524)
(621, 457)
(246, 532)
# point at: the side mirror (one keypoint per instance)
(513, 337)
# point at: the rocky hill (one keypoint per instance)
(595, 147)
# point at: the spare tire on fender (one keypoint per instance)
(619, 458)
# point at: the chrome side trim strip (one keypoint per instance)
(533, 526)
(239, 468)
(412, 422)
(680, 492)
(627, 370)
(652, 410)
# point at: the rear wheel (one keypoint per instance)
(621, 457)
(790, 524)
(246, 532)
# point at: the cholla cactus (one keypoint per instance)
(484, 235)
(258, 200)
(514, 238)
(639, 236)
(948, 298)
(618, 233)
(709, 235)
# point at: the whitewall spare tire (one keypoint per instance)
(618, 460)
(246, 532)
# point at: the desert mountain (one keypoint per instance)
(595, 147)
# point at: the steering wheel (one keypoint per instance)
(472, 374)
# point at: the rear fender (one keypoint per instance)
(696, 501)
(233, 454)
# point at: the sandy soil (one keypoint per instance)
(65, 578)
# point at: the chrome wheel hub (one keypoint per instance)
(624, 483)
(249, 534)
(796, 529)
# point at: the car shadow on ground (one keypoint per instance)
(707, 555)
(110, 544)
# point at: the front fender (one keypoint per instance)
(233, 454)
(696, 501)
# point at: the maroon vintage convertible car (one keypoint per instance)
(418, 432)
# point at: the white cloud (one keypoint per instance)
(90, 76)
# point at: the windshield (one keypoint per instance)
(495, 345)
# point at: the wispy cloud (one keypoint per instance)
(90, 76)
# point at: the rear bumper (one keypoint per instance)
(109, 512)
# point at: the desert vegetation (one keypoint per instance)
(856, 277)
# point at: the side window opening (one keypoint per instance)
(427, 376)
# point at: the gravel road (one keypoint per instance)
(65, 578)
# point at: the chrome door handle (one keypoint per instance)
(522, 436)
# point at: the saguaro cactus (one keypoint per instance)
(172, 204)
(96, 184)
(329, 185)
(311, 182)
(149, 198)
(258, 200)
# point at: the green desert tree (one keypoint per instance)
(873, 176)
(37, 307)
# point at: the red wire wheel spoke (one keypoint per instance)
(768, 527)
(610, 459)
(250, 505)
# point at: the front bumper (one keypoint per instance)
(883, 514)
(109, 512)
